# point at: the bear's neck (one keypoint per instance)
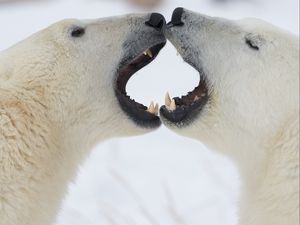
(37, 161)
(38, 183)
(270, 186)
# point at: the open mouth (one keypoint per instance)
(142, 115)
(182, 110)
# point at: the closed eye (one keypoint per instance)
(251, 44)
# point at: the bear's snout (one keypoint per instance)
(177, 17)
(156, 21)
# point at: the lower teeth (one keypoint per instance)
(153, 109)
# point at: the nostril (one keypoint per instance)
(177, 17)
(157, 21)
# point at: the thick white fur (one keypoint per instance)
(253, 111)
(56, 101)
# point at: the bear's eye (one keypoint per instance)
(252, 44)
(78, 32)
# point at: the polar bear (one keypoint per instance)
(60, 94)
(246, 106)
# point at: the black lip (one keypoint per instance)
(187, 109)
(128, 67)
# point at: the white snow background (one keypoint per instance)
(159, 178)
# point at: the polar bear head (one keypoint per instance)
(77, 71)
(62, 90)
(249, 80)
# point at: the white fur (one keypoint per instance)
(253, 111)
(57, 101)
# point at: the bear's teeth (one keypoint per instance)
(172, 105)
(168, 100)
(153, 109)
(148, 53)
(156, 108)
(196, 98)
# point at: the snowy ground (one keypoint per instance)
(160, 178)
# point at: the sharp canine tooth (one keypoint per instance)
(168, 100)
(172, 105)
(196, 98)
(148, 53)
(151, 108)
(156, 109)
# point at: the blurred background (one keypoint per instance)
(160, 178)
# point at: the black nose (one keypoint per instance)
(177, 17)
(157, 21)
